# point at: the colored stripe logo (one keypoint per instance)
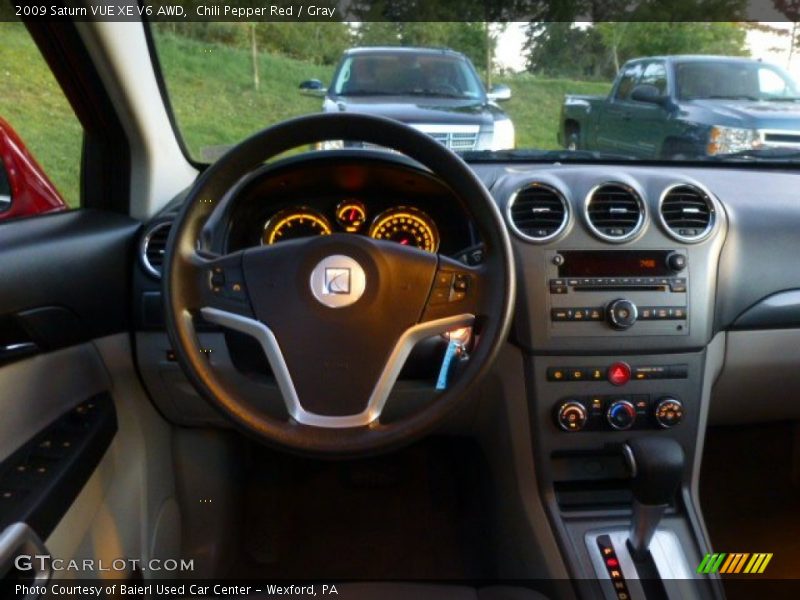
(736, 562)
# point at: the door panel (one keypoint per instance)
(65, 297)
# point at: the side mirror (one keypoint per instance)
(644, 92)
(499, 93)
(313, 87)
(5, 188)
(25, 188)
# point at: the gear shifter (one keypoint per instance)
(656, 465)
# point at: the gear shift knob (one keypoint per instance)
(656, 465)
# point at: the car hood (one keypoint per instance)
(413, 109)
(756, 114)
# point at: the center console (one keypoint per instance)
(615, 318)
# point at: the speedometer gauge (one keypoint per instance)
(407, 226)
(293, 223)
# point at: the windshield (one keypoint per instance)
(406, 74)
(532, 91)
(698, 80)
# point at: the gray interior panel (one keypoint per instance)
(760, 379)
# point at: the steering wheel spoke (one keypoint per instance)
(336, 315)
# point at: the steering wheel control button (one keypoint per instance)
(572, 416)
(449, 286)
(622, 314)
(338, 281)
(217, 277)
(621, 415)
(668, 412)
(619, 373)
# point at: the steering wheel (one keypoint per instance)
(335, 315)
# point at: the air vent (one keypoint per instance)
(687, 213)
(153, 247)
(538, 212)
(615, 212)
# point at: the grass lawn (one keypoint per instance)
(211, 88)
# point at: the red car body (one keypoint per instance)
(32, 192)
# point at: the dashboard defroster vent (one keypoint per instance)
(615, 212)
(153, 247)
(687, 213)
(538, 212)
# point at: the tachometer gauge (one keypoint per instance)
(407, 226)
(293, 223)
(351, 215)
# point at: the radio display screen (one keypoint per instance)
(614, 263)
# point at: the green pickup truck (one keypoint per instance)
(687, 107)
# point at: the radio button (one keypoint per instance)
(647, 313)
(677, 286)
(556, 374)
(677, 313)
(561, 314)
(595, 314)
(676, 262)
(622, 314)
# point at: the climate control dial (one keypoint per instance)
(668, 412)
(621, 415)
(572, 416)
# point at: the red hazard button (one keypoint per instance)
(619, 373)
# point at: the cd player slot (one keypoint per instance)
(620, 288)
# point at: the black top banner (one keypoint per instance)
(404, 10)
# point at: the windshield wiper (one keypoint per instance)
(370, 93)
(731, 97)
(433, 94)
(783, 99)
(761, 154)
(542, 155)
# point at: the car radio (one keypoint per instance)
(633, 292)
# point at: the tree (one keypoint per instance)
(558, 49)
(468, 37)
(565, 50)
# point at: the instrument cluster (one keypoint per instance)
(406, 225)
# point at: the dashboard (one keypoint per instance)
(616, 263)
(399, 203)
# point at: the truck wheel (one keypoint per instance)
(572, 139)
(678, 150)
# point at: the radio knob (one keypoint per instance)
(622, 313)
(676, 262)
(621, 415)
(572, 416)
(668, 412)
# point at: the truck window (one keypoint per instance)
(655, 74)
(628, 81)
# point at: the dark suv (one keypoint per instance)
(434, 90)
